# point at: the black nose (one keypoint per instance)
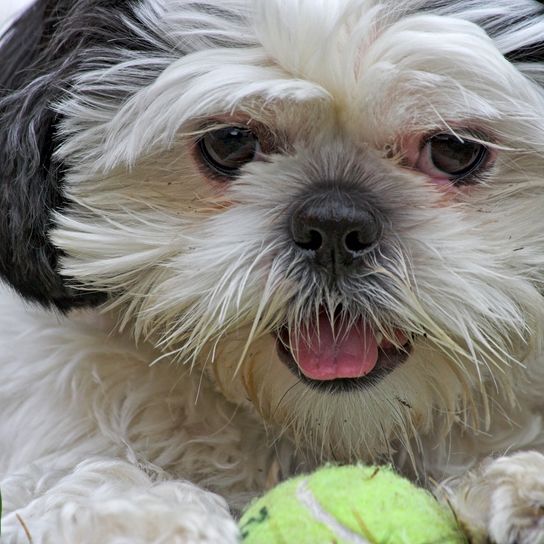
(335, 227)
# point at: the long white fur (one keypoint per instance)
(107, 415)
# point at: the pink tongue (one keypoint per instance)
(348, 353)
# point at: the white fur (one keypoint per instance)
(108, 415)
(9, 9)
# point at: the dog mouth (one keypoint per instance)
(341, 354)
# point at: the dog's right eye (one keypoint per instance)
(226, 150)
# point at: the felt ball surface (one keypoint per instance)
(349, 505)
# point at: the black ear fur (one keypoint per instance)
(39, 56)
(30, 180)
(532, 53)
(498, 24)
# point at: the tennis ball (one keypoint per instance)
(349, 505)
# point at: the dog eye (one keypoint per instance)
(447, 156)
(224, 151)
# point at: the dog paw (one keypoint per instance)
(503, 502)
(166, 513)
(516, 507)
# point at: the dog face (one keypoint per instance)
(333, 209)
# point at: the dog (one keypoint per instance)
(244, 238)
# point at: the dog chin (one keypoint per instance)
(323, 418)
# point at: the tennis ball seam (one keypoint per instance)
(313, 506)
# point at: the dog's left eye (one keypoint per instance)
(224, 151)
(448, 157)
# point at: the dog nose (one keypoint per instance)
(336, 228)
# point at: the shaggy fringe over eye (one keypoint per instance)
(126, 103)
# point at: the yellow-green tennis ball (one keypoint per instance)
(349, 505)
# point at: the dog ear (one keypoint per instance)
(41, 56)
(30, 178)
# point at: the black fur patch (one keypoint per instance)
(40, 55)
(497, 25)
(533, 52)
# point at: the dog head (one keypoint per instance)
(331, 208)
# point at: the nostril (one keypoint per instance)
(358, 241)
(334, 228)
(311, 240)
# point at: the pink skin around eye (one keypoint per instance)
(418, 158)
(425, 165)
(413, 153)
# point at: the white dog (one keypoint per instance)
(254, 236)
